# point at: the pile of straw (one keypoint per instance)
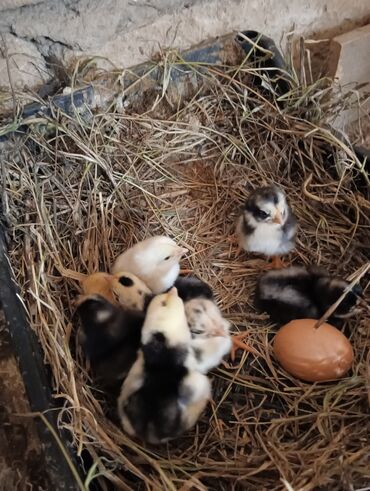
(78, 191)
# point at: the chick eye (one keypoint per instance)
(262, 214)
(167, 258)
(125, 281)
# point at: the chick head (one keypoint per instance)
(166, 314)
(158, 255)
(99, 284)
(167, 305)
(328, 290)
(205, 319)
(266, 205)
(130, 291)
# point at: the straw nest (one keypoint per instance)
(78, 191)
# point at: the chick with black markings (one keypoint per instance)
(209, 330)
(267, 224)
(189, 287)
(111, 312)
(130, 291)
(301, 292)
(110, 338)
(163, 394)
(122, 288)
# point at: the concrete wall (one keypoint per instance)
(131, 31)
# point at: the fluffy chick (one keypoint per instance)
(110, 337)
(163, 395)
(209, 330)
(111, 317)
(155, 261)
(99, 284)
(302, 292)
(189, 287)
(267, 224)
(130, 291)
(123, 289)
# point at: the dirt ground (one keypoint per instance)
(21, 460)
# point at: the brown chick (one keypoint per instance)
(99, 284)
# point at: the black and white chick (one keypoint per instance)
(267, 224)
(300, 292)
(210, 334)
(163, 394)
(110, 338)
(111, 312)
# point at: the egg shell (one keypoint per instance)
(313, 354)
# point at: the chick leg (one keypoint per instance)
(237, 343)
(275, 263)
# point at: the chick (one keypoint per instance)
(189, 287)
(110, 337)
(111, 314)
(209, 330)
(267, 224)
(155, 261)
(130, 291)
(163, 395)
(99, 284)
(301, 292)
(123, 289)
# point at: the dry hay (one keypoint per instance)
(77, 196)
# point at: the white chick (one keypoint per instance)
(211, 339)
(210, 331)
(163, 395)
(155, 261)
(267, 224)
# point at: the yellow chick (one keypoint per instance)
(163, 395)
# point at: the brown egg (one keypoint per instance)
(313, 354)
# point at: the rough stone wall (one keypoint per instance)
(130, 31)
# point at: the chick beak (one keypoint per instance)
(278, 218)
(181, 251)
(172, 292)
(219, 332)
